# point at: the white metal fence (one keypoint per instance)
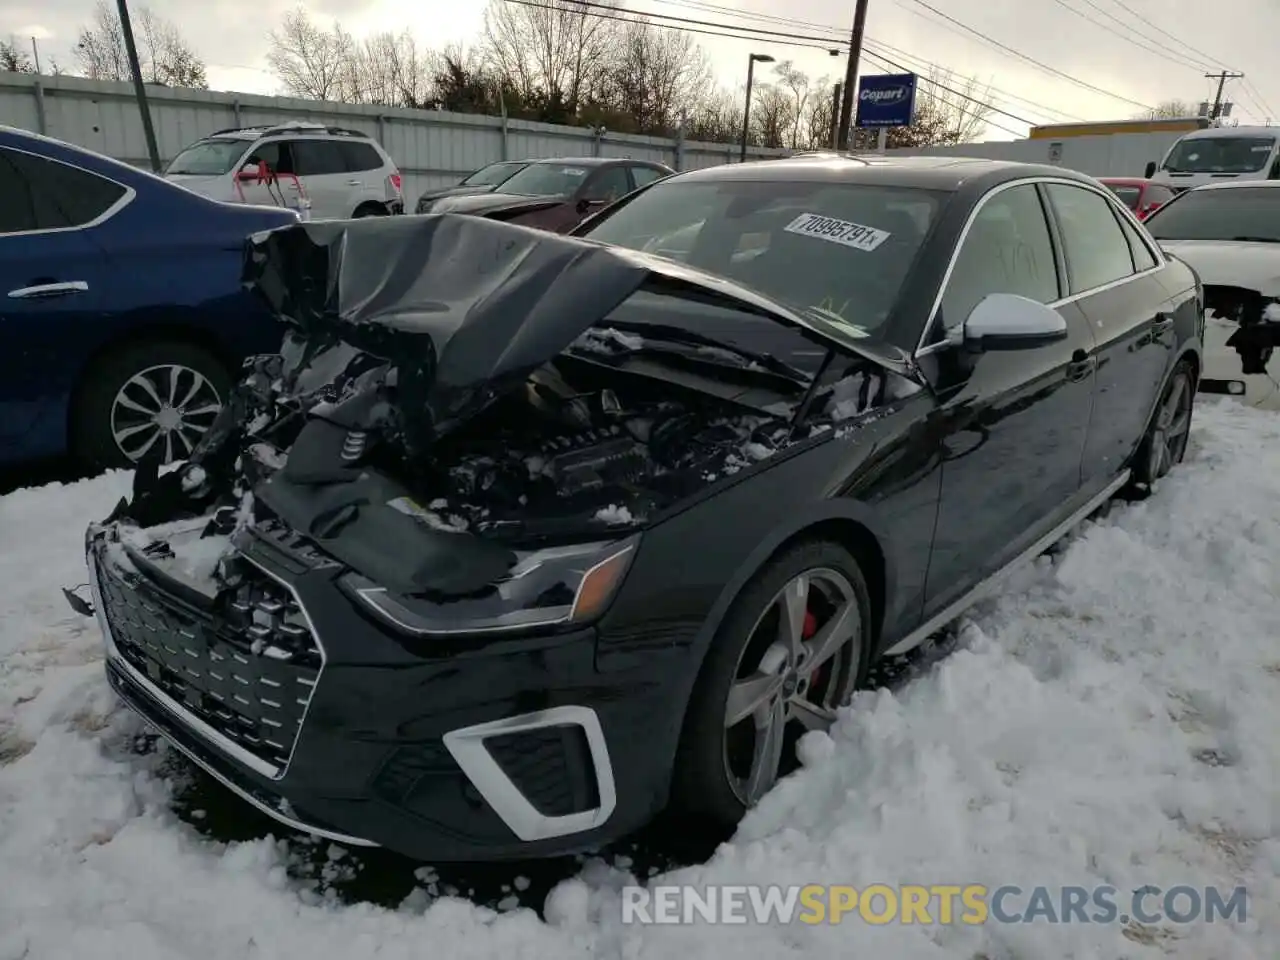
(432, 148)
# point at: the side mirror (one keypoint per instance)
(1151, 208)
(1006, 321)
(587, 203)
(1151, 170)
(250, 171)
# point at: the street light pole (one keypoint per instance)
(752, 60)
(139, 89)
(851, 74)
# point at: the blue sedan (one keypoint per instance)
(122, 318)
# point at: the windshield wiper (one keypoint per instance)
(710, 347)
(1256, 239)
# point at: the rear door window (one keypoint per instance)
(49, 195)
(1096, 250)
(359, 157)
(318, 158)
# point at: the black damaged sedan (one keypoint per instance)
(522, 539)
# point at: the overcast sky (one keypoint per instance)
(1151, 66)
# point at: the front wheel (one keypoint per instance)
(1165, 444)
(792, 650)
(152, 400)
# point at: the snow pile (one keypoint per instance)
(1110, 719)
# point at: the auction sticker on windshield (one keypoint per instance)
(837, 231)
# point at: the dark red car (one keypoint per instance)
(557, 194)
(1141, 196)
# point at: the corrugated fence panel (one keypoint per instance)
(431, 148)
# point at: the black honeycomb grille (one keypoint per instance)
(248, 671)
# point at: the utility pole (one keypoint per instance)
(851, 74)
(1222, 79)
(131, 48)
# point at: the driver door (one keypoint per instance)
(1013, 423)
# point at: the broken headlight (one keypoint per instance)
(560, 585)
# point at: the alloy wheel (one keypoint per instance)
(799, 665)
(1172, 426)
(170, 406)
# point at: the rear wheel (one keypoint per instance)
(790, 653)
(370, 210)
(1165, 444)
(154, 399)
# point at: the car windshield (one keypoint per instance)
(836, 251)
(1219, 155)
(1128, 195)
(1234, 213)
(547, 180)
(208, 158)
(491, 175)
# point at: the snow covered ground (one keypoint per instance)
(1112, 718)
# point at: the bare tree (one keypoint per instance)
(772, 115)
(1169, 110)
(553, 55)
(795, 85)
(164, 56)
(311, 62)
(819, 116)
(716, 117)
(390, 69)
(652, 75)
(462, 81)
(14, 60)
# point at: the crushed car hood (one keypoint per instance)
(468, 307)
(1254, 266)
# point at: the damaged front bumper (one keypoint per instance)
(478, 750)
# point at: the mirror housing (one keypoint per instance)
(250, 171)
(1006, 321)
(1151, 170)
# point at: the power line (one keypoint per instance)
(744, 33)
(1180, 61)
(1052, 113)
(1032, 60)
(1209, 60)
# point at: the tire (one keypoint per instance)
(114, 389)
(369, 210)
(711, 778)
(1164, 445)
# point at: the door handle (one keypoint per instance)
(40, 290)
(1082, 364)
(354, 183)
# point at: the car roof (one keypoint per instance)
(946, 173)
(596, 161)
(1238, 184)
(1210, 133)
(1125, 181)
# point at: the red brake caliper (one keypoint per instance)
(810, 628)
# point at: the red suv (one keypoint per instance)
(1141, 196)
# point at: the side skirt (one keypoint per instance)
(987, 586)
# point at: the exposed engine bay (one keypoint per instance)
(578, 445)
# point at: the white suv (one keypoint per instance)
(325, 173)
